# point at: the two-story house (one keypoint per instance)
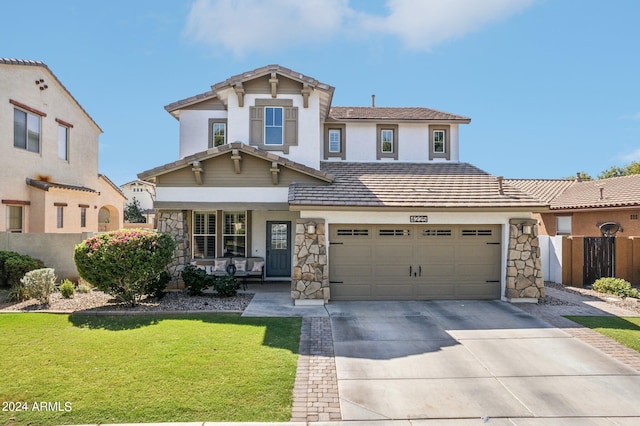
(49, 180)
(144, 193)
(349, 203)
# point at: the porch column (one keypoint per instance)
(174, 223)
(310, 283)
(524, 271)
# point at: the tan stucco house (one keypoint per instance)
(347, 203)
(49, 180)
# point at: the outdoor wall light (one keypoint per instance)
(311, 228)
(526, 229)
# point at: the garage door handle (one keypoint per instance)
(410, 270)
(492, 281)
(420, 270)
(497, 244)
(336, 282)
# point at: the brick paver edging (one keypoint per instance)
(315, 393)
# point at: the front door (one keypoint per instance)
(278, 249)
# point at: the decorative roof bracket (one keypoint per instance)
(197, 169)
(274, 85)
(274, 172)
(239, 89)
(306, 91)
(236, 157)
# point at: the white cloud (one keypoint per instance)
(243, 26)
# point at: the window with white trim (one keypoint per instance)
(26, 130)
(219, 134)
(273, 126)
(386, 141)
(439, 145)
(563, 225)
(334, 140)
(204, 235)
(234, 239)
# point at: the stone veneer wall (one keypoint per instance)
(174, 223)
(524, 271)
(310, 272)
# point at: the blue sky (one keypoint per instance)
(552, 86)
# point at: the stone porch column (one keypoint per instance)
(174, 223)
(524, 272)
(310, 283)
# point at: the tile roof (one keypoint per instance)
(439, 185)
(393, 113)
(12, 61)
(45, 186)
(214, 152)
(620, 191)
(543, 189)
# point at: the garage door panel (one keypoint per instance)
(446, 261)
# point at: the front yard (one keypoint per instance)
(146, 368)
(625, 330)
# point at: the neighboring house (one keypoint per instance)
(349, 203)
(145, 193)
(49, 157)
(579, 208)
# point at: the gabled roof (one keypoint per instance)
(393, 113)
(222, 149)
(434, 185)
(11, 61)
(247, 76)
(113, 185)
(544, 189)
(46, 186)
(623, 191)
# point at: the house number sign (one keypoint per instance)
(419, 219)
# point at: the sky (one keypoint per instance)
(551, 86)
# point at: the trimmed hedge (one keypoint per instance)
(124, 263)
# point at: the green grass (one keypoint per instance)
(125, 369)
(625, 330)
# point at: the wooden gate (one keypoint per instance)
(599, 258)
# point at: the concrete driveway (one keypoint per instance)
(472, 360)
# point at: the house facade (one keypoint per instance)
(144, 193)
(349, 203)
(49, 157)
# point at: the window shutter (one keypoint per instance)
(256, 132)
(291, 126)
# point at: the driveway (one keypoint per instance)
(469, 360)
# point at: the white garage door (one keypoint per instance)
(414, 262)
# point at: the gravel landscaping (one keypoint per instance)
(99, 301)
(627, 303)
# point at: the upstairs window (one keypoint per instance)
(563, 225)
(334, 141)
(386, 140)
(26, 130)
(63, 143)
(273, 126)
(219, 134)
(438, 142)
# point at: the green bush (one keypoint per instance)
(616, 286)
(67, 289)
(226, 286)
(18, 293)
(84, 288)
(123, 263)
(39, 284)
(14, 265)
(156, 287)
(196, 280)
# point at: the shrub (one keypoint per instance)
(156, 287)
(18, 293)
(616, 286)
(14, 265)
(123, 263)
(84, 288)
(67, 289)
(226, 286)
(40, 283)
(196, 280)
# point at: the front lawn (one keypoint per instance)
(625, 330)
(128, 369)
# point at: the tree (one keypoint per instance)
(124, 263)
(615, 171)
(583, 176)
(133, 212)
